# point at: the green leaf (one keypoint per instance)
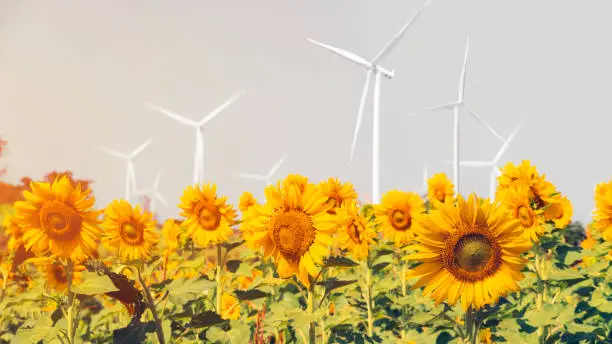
(94, 284)
(244, 270)
(597, 298)
(544, 315)
(606, 307)
(232, 265)
(35, 335)
(334, 283)
(217, 335)
(206, 319)
(339, 262)
(133, 334)
(572, 256)
(182, 290)
(575, 328)
(239, 331)
(562, 275)
(252, 294)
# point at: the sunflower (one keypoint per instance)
(171, 233)
(471, 251)
(230, 307)
(602, 216)
(296, 179)
(511, 175)
(440, 189)
(291, 228)
(559, 212)
(57, 218)
(55, 276)
(130, 232)
(246, 201)
(516, 201)
(208, 217)
(354, 232)
(588, 242)
(396, 214)
(337, 193)
(13, 231)
(244, 282)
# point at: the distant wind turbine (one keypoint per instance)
(130, 177)
(425, 187)
(153, 193)
(455, 105)
(373, 67)
(495, 172)
(198, 170)
(266, 178)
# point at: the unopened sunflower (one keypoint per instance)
(58, 219)
(440, 189)
(469, 252)
(290, 227)
(208, 217)
(337, 193)
(353, 231)
(396, 215)
(130, 232)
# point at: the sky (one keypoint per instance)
(77, 74)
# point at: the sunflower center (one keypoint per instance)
(293, 233)
(59, 221)
(209, 219)
(536, 199)
(400, 220)
(440, 195)
(132, 232)
(472, 255)
(524, 214)
(473, 252)
(353, 231)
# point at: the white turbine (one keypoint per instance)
(373, 67)
(130, 177)
(493, 164)
(153, 193)
(425, 187)
(198, 170)
(455, 105)
(265, 178)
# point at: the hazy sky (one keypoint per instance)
(76, 74)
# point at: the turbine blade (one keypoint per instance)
(113, 153)
(481, 120)
(275, 168)
(463, 70)
(386, 50)
(161, 199)
(178, 118)
(446, 106)
(507, 143)
(157, 180)
(364, 95)
(141, 148)
(343, 53)
(220, 108)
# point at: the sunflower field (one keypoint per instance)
(308, 264)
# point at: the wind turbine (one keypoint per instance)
(425, 187)
(198, 170)
(266, 178)
(373, 67)
(455, 105)
(153, 193)
(495, 172)
(130, 177)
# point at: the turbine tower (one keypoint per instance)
(130, 177)
(373, 67)
(455, 105)
(266, 178)
(153, 193)
(492, 165)
(198, 170)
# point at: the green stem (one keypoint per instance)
(151, 305)
(311, 330)
(218, 279)
(404, 293)
(70, 311)
(471, 325)
(368, 296)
